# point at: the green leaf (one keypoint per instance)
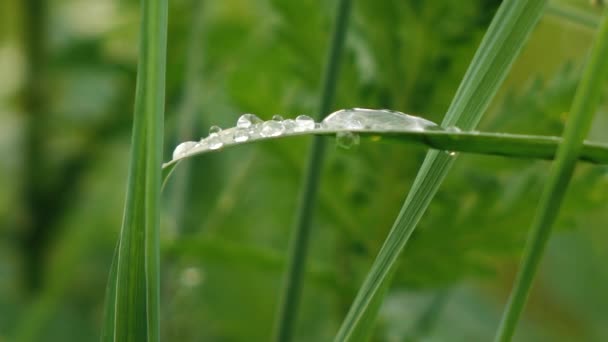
(585, 104)
(133, 294)
(503, 41)
(500, 144)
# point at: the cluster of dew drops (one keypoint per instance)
(347, 122)
(248, 127)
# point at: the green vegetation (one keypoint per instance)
(293, 234)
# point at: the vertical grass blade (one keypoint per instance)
(134, 282)
(292, 283)
(586, 101)
(504, 39)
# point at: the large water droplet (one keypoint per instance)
(182, 148)
(248, 120)
(361, 118)
(241, 135)
(304, 123)
(271, 128)
(347, 139)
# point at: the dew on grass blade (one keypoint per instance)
(240, 135)
(289, 125)
(248, 120)
(272, 128)
(361, 118)
(277, 117)
(183, 148)
(304, 123)
(214, 141)
(214, 130)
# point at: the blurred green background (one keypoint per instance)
(67, 80)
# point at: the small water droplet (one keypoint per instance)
(290, 125)
(214, 141)
(277, 117)
(214, 130)
(451, 153)
(248, 120)
(453, 129)
(271, 128)
(240, 135)
(183, 148)
(304, 123)
(347, 139)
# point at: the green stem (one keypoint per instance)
(584, 106)
(298, 249)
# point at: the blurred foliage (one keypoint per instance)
(225, 233)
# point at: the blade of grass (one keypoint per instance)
(586, 101)
(298, 248)
(501, 144)
(135, 282)
(506, 35)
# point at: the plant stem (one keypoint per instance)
(584, 106)
(292, 283)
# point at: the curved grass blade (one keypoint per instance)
(499, 144)
(585, 104)
(298, 246)
(504, 39)
(135, 282)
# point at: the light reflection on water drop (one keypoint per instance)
(183, 148)
(241, 135)
(271, 128)
(248, 120)
(304, 123)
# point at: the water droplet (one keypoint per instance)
(240, 135)
(248, 120)
(453, 129)
(214, 130)
(361, 118)
(271, 128)
(347, 139)
(277, 118)
(304, 123)
(182, 148)
(451, 153)
(214, 141)
(290, 125)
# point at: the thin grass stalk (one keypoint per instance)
(585, 104)
(134, 277)
(298, 249)
(501, 44)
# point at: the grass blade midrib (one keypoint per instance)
(585, 103)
